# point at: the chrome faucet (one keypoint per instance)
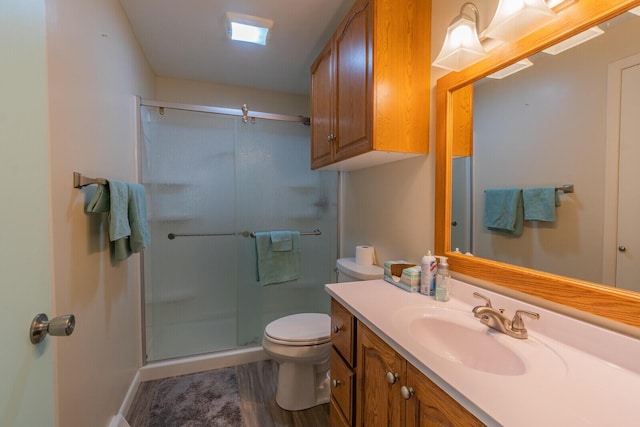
(496, 320)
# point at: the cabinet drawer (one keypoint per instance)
(342, 385)
(342, 331)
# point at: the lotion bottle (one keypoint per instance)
(428, 274)
(442, 280)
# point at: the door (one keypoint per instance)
(628, 259)
(26, 389)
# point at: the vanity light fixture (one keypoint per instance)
(574, 41)
(462, 46)
(511, 69)
(247, 28)
(516, 18)
(635, 11)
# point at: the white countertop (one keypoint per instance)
(585, 376)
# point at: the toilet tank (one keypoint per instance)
(350, 271)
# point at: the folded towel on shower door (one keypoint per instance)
(277, 266)
(540, 203)
(503, 210)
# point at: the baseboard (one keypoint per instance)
(119, 421)
(191, 365)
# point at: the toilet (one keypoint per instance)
(301, 344)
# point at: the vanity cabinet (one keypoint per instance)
(392, 392)
(342, 381)
(370, 87)
(372, 385)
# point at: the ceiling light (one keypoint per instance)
(461, 45)
(511, 69)
(248, 28)
(516, 18)
(635, 11)
(574, 41)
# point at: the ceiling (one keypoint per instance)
(186, 39)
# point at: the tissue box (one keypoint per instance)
(403, 275)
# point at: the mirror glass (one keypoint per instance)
(570, 118)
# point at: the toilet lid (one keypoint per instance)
(300, 329)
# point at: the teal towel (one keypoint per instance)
(126, 204)
(277, 266)
(100, 201)
(281, 241)
(540, 203)
(503, 210)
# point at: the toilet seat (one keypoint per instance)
(302, 329)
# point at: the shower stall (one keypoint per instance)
(214, 176)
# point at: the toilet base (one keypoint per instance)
(302, 386)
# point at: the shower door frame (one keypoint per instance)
(247, 115)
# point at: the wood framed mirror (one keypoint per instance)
(453, 133)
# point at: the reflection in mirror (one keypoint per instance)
(561, 121)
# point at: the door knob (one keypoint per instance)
(60, 326)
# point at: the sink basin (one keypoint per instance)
(457, 337)
(475, 348)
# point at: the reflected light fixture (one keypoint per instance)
(511, 69)
(462, 46)
(516, 18)
(574, 41)
(247, 28)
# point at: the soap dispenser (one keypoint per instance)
(442, 280)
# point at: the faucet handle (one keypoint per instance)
(517, 324)
(487, 300)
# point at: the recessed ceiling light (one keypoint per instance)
(247, 28)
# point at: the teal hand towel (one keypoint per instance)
(128, 228)
(281, 241)
(100, 201)
(540, 203)
(503, 210)
(277, 266)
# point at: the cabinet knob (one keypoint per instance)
(336, 329)
(406, 392)
(392, 377)
(331, 137)
(622, 248)
(336, 383)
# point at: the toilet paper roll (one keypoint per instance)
(365, 255)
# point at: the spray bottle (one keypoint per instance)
(442, 280)
(428, 274)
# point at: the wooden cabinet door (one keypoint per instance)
(322, 99)
(353, 82)
(378, 403)
(430, 406)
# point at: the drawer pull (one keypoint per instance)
(392, 378)
(336, 329)
(406, 392)
(336, 383)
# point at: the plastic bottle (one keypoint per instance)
(428, 274)
(442, 280)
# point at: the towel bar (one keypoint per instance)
(172, 236)
(80, 180)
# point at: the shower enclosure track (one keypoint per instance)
(242, 112)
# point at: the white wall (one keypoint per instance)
(95, 69)
(218, 95)
(546, 126)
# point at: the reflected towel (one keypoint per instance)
(503, 210)
(277, 266)
(540, 203)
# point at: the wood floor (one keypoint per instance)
(257, 386)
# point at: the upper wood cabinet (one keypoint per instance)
(370, 87)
